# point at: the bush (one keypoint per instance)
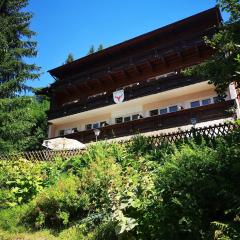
(59, 204)
(176, 191)
(194, 188)
(20, 181)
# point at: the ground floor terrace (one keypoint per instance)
(184, 107)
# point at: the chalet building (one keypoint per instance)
(136, 86)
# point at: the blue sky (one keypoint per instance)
(72, 26)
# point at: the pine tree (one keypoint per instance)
(16, 44)
(100, 47)
(70, 58)
(23, 120)
(91, 50)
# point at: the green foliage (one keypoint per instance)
(20, 181)
(11, 219)
(70, 58)
(224, 67)
(92, 49)
(135, 191)
(16, 44)
(100, 47)
(58, 204)
(23, 123)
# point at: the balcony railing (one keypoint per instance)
(176, 119)
(143, 89)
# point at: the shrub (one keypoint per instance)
(20, 181)
(176, 191)
(194, 188)
(59, 204)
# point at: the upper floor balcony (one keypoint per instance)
(131, 92)
(180, 118)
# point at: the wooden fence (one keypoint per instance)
(209, 131)
(41, 155)
(157, 140)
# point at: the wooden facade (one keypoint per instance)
(146, 65)
(170, 120)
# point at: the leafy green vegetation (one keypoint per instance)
(135, 191)
(16, 44)
(223, 67)
(23, 123)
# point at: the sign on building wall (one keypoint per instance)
(118, 96)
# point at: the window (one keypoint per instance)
(163, 111)
(103, 124)
(95, 125)
(206, 101)
(119, 120)
(61, 133)
(153, 112)
(74, 130)
(195, 104)
(135, 117)
(127, 119)
(88, 126)
(67, 131)
(216, 99)
(173, 109)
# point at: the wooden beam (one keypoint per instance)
(179, 54)
(137, 70)
(111, 77)
(197, 50)
(85, 84)
(164, 61)
(125, 74)
(150, 64)
(157, 53)
(99, 82)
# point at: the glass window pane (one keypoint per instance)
(153, 112)
(195, 104)
(135, 116)
(103, 124)
(68, 131)
(173, 109)
(119, 120)
(163, 111)
(127, 119)
(61, 133)
(216, 99)
(206, 101)
(74, 130)
(88, 126)
(95, 125)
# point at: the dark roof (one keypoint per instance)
(210, 18)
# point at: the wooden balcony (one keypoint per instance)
(143, 89)
(176, 119)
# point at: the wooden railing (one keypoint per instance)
(169, 120)
(143, 89)
(157, 140)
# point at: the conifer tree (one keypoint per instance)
(23, 120)
(100, 47)
(70, 58)
(91, 50)
(16, 44)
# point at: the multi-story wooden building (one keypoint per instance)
(153, 95)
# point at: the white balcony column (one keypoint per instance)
(50, 130)
(233, 95)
